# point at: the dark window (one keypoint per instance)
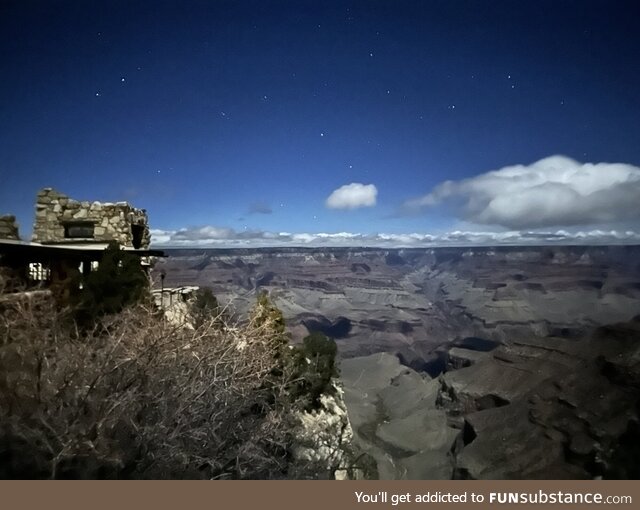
(137, 231)
(80, 230)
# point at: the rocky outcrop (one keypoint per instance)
(176, 304)
(57, 216)
(324, 437)
(395, 419)
(550, 408)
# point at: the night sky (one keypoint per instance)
(269, 123)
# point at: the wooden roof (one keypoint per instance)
(71, 250)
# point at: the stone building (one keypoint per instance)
(70, 236)
(61, 220)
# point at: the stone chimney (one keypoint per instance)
(9, 227)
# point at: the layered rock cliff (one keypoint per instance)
(412, 302)
(527, 409)
(510, 362)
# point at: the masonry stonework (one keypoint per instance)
(60, 219)
(9, 227)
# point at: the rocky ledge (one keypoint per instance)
(545, 408)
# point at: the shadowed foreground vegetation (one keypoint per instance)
(134, 396)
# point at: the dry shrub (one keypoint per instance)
(139, 397)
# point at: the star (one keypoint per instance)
(371, 54)
(321, 134)
(97, 94)
(350, 166)
(122, 79)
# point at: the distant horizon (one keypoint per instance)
(312, 247)
(371, 248)
(227, 238)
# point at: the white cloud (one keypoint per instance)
(215, 237)
(353, 196)
(160, 236)
(208, 232)
(555, 191)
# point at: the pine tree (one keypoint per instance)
(205, 308)
(266, 315)
(118, 282)
(315, 366)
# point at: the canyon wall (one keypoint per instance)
(415, 302)
(491, 362)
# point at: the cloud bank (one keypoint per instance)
(353, 196)
(215, 237)
(555, 191)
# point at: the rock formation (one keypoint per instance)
(324, 436)
(395, 420)
(464, 363)
(413, 302)
(526, 410)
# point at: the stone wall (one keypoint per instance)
(9, 228)
(56, 212)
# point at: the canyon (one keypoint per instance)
(461, 362)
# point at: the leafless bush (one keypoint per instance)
(139, 397)
(9, 280)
